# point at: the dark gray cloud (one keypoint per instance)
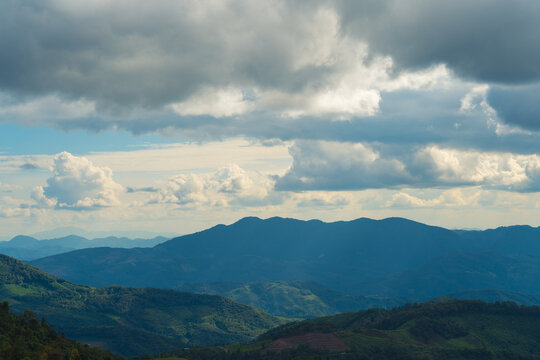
(29, 166)
(135, 53)
(517, 105)
(126, 53)
(150, 189)
(485, 40)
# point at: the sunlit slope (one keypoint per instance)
(127, 320)
(293, 299)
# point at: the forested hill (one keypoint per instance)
(24, 337)
(390, 257)
(446, 329)
(294, 299)
(129, 321)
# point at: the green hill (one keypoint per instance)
(446, 329)
(24, 337)
(293, 299)
(126, 320)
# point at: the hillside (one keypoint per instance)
(29, 248)
(492, 295)
(445, 329)
(293, 299)
(25, 337)
(461, 272)
(126, 320)
(390, 258)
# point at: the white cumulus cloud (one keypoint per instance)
(78, 184)
(227, 186)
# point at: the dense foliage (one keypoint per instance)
(24, 337)
(446, 329)
(126, 320)
(293, 299)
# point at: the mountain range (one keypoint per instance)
(391, 257)
(29, 248)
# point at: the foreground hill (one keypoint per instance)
(25, 337)
(390, 257)
(28, 248)
(126, 320)
(293, 299)
(446, 329)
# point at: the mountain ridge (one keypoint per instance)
(362, 256)
(28, 248)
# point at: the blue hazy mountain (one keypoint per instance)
(390, 257)
(28, 248)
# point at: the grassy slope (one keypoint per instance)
(127, 320)
(450, 329)
(293, 299)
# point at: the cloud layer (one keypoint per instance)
(102, 65)
(228, 186)
(319, 165)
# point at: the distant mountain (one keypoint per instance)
(346, 256)
(293, 299)
(129, 321)
(26, 337)
(93, 234)
(446, 329)
(390, 257)
(28, 248)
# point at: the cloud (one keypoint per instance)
(116, 63)
(6, 187)
(518, 106)
(11, 207)
(78, 184)
(484, 40)
(363, 72)
(448, 198)
(215, 102)
(150, 55)
(318, 199)
(150, 189)
(29, 166)
(228, 186)
(319, 165)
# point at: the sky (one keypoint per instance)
(172, 116)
